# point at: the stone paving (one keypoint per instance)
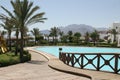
(36, 69)
(94, 75)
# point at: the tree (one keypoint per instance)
(36, 33)
(61, 33)
(77, 35)
(114, 32)
(3, 33)
(95, 36)
(24, 13)
(87, 35)
(64, 39)
(8, 26)
(54, 33)
(70, 35)
(17, 31)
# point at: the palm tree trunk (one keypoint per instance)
(35, 40)
(24, 42)
(94, 43)
(16, 46)
(21, 45)
(9, 41)
(53, 40)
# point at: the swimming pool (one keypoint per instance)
(54, 50)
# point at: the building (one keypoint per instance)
(116, 26)
(103, 35)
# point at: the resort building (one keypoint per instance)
(116, 26)
(103, 35)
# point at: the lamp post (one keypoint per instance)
(60, 49)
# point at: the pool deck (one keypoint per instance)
(36, 69)
(55, 63)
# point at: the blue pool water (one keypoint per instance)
(55, 51)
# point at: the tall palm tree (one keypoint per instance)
(36, 33)
(25, 13)
(25, 35)
(17, 39)
(94, 36)
(7, 25)
(54, 33)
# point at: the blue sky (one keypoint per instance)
(97, 13)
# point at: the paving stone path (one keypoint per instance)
(36, 69)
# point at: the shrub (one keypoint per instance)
(114, 44)
(26, 56)
(10, 59)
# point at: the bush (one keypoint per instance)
(10, 58)
(114, 44)
(26, 56)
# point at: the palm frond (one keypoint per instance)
(36, 18)
(31, 11)
(8, 12)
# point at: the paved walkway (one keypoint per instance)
(37, 69)
(59, 65)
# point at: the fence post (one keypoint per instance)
(72, 61)
(82, 61)
(116, 63)
(98, 62)
(60, 55)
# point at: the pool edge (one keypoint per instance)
(56, 64)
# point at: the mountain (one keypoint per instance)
(102, 29)
(45, 32)
(82, 28)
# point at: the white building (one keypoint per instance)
(116, 26)
(103, 34)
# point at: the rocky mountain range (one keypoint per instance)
(82, 28)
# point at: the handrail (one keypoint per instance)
(83, 59)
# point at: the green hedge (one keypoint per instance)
(26, 56)
(10, 58)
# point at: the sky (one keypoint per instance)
(96, 13)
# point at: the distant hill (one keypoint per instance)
(45, 32)
(102, 29)
(82, 28)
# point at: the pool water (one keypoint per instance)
(54, 50)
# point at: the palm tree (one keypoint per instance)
(54, 33)
(94, 36)
(87, 37)
(17, 39)
(3, 33)
(7, 25)
(114, 32)
(36, 33)
(70, 35)
(77, 35)
(61, 33)
(25, 13)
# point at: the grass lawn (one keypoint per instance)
(9, 58)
